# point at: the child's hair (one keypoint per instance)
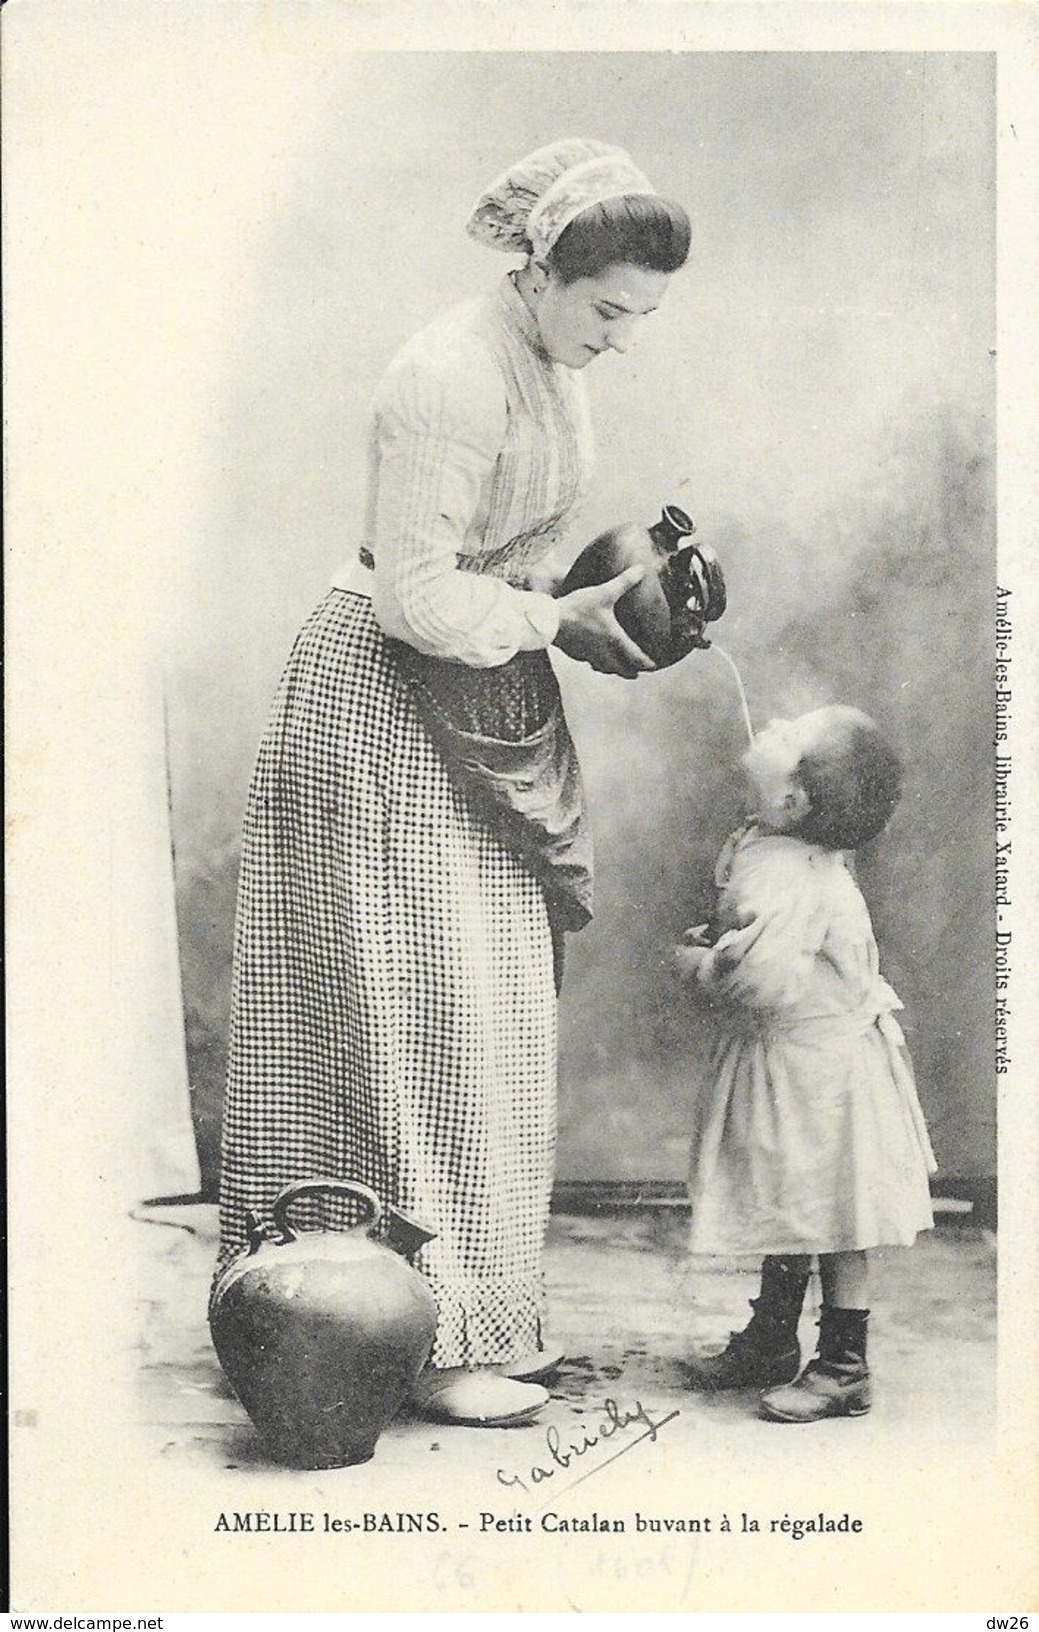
(853, 785)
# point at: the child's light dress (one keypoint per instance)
(808, 1136)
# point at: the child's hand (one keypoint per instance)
(699, 935)
(686, 960)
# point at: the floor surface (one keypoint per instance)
(627, 1306)
(628, 1492)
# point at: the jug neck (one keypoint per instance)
(673, 526)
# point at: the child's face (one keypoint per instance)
(771, 761)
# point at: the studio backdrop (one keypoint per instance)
(817, 391)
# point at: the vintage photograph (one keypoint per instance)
(551, 857)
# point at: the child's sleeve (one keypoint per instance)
(767, 960)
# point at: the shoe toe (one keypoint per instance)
(786, 1404)
(533, 1367)
(739, 1367)
(481, 1399)
(816, 1396)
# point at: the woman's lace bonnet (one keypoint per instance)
(528, 207)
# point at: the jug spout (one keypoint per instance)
(406, 1235)
(673, 526)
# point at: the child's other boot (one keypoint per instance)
(836, 1382)
(766, 1352)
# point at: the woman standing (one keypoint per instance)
(403, 893)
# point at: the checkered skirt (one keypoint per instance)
(393, 1007)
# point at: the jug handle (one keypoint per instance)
(310, 1187)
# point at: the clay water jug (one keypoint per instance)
(683, 588)
(322, 1334)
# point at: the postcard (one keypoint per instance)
(399, 1219)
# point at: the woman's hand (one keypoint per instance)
(589, 631)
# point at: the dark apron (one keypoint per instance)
(504, 739)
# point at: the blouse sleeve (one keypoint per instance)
(439, 427)
(768, 959)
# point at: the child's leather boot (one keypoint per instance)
(836, 1383)
(766, 1351)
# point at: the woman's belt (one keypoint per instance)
(464, 563)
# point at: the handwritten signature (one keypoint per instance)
(560, 1456)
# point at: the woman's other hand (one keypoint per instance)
(547, 574)
(590, 633)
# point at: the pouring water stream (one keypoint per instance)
(739, 687)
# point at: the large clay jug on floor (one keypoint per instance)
(683, 588)
(323, 1333)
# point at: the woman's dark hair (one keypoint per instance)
(853, 786)
(642, 230)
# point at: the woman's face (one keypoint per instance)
(580, 320)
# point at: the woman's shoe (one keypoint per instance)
(533, 1367)
(479, 1399)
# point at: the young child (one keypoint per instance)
(809, 1138)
